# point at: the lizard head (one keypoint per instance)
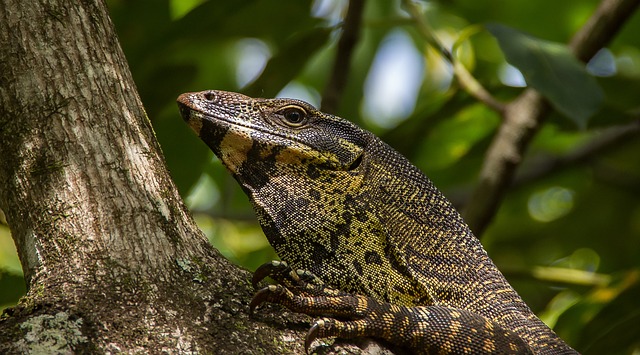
(263, 138)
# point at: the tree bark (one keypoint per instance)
(112, 258)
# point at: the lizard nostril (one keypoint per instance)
(210, 96)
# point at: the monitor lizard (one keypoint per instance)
(366, 240)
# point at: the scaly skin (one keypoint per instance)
(383, 249)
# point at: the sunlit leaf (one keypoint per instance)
(180, 8)
(610, 318)
(453, 138)
(12, 285)
(550, 68)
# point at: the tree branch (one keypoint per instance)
(601, 27)
(609, 138)
(525, 115)
(350, 35)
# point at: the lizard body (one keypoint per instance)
(384, 249)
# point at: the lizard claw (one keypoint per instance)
(311, 336)
(260, 297)
(267, 269)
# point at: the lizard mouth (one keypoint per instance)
(184, 108)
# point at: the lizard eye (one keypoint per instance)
(294, 116)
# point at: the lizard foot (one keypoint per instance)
(357, 315)
(298, 281)
(424, 329)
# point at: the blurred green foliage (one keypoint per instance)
(552, 69)
(567, 238)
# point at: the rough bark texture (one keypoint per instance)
(113, 260)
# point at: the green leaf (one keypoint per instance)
(12, 286)
(608, 318)
(450, 140)
(551, 69)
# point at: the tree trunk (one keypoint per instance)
(112, 258)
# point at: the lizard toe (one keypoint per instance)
(272, 294)
(274, 269)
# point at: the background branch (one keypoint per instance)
(606, 140)
(346, 45)
(525, 115)
(601, 27)
(543, 167)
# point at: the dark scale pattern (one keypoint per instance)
(387, 255)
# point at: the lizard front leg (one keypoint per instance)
(423, 329)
